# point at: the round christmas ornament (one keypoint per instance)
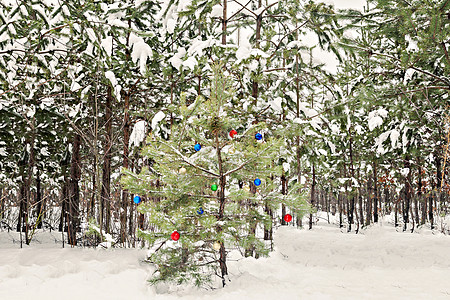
(137, 199)
(288, 218)
(231, 150)
(200, 211)
(214, 187)
(175, 235)
(182, 170)
(197, 147)
(257, 182)
(233, 133)
(258, 136)
(216, 246)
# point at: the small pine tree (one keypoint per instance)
(204, 195)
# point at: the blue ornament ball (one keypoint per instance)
(258, 136)
(200, 211)
(137, 199)
(257, 182)
(197, 147)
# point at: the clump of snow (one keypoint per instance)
(408, 75)
(157, 118)
(138, 133)
(141, 50)
(412, 44)
(394, 137)
(375, 118)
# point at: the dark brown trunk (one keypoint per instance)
(369, 200)
(126, 140)
(106, 170)
(313, 194)
(39, 204)
(341, 210)
(421, 200)
(268, 232)
(64, 205)
(220, 217)
(375, 193)
(250, 250)
(430, 210)
(283, 192)
(352, 200)
(224, 23)
(91, 206)
(73, 221)
(2, 205)
(407, 194)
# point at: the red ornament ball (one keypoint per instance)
(288, 218)
(175, 235)
(233, 133)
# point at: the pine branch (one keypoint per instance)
(247, 162)
(186, 160)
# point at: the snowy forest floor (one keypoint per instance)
(378, 263)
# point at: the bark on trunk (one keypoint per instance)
(73, 222)
(375, 194)
(39, 204)
(126, 139)
(407, 194)
(220, 217)
(106, 170)
(283, 192)
(313, 192)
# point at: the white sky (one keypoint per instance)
(319, 55)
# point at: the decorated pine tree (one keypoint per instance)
(207, 185)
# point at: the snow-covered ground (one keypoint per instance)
(324, 263)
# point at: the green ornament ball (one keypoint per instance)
(214, 187)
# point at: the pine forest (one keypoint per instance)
(196, 130)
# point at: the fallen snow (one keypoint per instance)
(324, 263)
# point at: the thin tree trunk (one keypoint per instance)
(352, 200)
(126, 139)
(73, 221)
(407, 194)
(2, 205)
(283, 192)
(313, 192)
(375, 193)
(106, 172)
(250, 250)
(341, 209)
(220, 217)
(39, 204)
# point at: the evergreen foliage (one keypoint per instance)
(173, 202)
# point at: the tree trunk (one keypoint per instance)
(73, 222)
(39, 204)
(407, 194)
(2, 205)
(106, 170)
(341, 209)
(352, 200)
(224, 23)
(375, 193)
(313, 192)
(126, 140)
(283, 192)
(220, 217)
(250, 250)
(369, 200)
